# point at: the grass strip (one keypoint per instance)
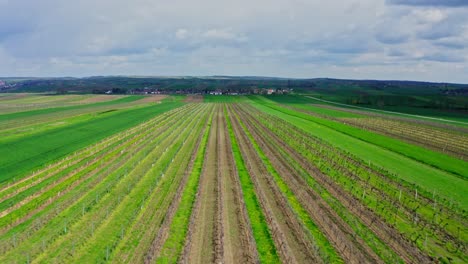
(432, 158)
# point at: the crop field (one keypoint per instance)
(10, 103)
(238, 179)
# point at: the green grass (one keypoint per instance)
(265, 245)
(432, 158)
(410, 170)
(25, 154)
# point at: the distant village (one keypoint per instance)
(5, 86)
(254, 91)
(146, 91)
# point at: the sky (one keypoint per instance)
(424, 40)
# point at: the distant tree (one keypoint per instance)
(61, 90)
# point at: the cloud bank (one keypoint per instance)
(393, 39)
(453, 3)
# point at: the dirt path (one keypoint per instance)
(219, 240)
(202, 246)
(234, 247)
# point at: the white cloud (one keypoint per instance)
(181, 33)
(431, 15)
(219, 34)
(223, 34)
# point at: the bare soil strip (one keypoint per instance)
(218, 235)
(99, 98)
(194, 99)
(200, 247)
(152, 99)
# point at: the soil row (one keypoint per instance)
(199, 246)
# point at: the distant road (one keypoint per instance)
(388, 112)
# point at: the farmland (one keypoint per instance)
(227, 179)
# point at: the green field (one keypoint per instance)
(228, 179)
(26, 153)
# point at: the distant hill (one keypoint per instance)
(377, 93)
